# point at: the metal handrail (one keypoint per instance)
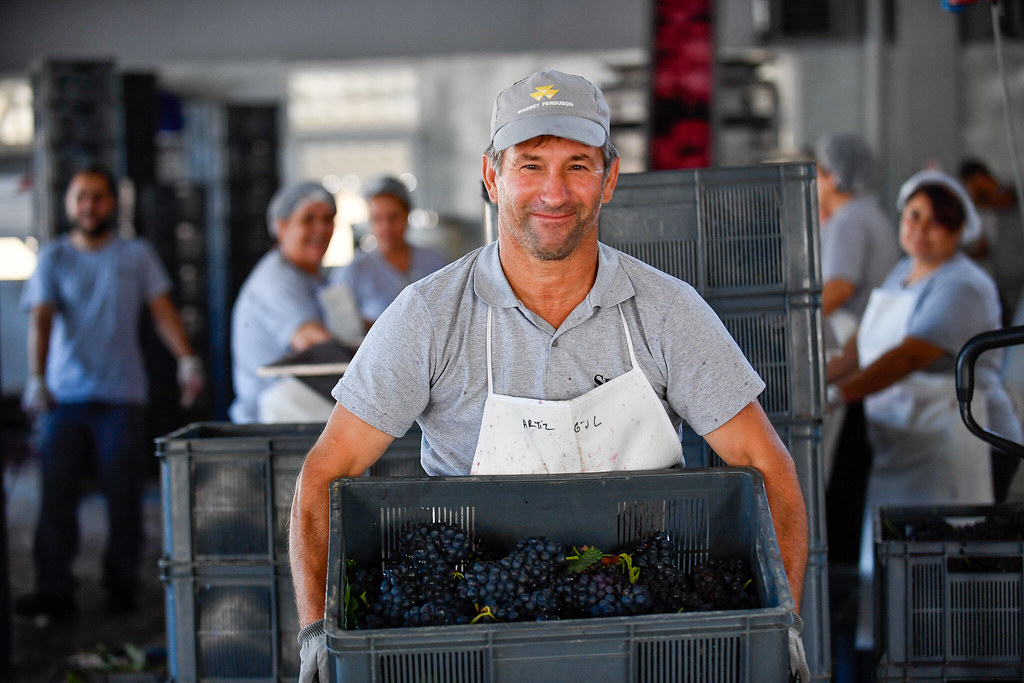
(975, 346)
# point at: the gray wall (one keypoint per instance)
(141, 33)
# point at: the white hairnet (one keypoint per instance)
(972, 222)
(849, 159)
(389, 186)
(288, 198)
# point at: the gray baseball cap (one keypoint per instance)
(550, 103)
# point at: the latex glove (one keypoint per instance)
(36, 398)
(313, 654)
(833, 398)
(798, 670)
(190, 379)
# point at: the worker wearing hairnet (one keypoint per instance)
(858, 241)
(858, 249)
(545, 322)
(278, 308)
(376, 277)
(903, 359)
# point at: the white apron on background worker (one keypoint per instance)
(923, 453)
(619, 425)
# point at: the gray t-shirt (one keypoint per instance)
(955, 302)
(276, 300)
(858, 245)
(425, 359)
(98, 297)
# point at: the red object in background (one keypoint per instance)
(682, 59)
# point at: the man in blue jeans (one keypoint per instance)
(87, 388)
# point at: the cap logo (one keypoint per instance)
(544, 91)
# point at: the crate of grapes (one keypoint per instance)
(949, 592)
(644, 576)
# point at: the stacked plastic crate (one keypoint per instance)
(226, 492)
(77, 111)
(949, 593)
(746, 238)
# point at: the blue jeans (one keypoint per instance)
(76, 440)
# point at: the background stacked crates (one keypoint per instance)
(716, 514)
(949, 610)
(78, 119)
(746, 238)
(226, 491)
(232, 151)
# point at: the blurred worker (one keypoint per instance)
(278, 308)
(998, 250)
(87, 387)
(377, 277)
(858, 249)
(1001, 242)
(858, 243)
(529, 329)
(903, 359)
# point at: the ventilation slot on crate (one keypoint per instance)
(744, 236)
(690, 660)
(234, 631)
(229, 512)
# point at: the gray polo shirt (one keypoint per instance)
(425, 359)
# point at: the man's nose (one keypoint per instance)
(555, 189)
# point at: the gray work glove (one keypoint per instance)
(313, 654)
(798, 671)
(36, 398)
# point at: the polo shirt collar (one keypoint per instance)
(611, 287)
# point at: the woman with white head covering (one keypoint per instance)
(903, 359)
(378, 276)
(858, 241)
(277, 310)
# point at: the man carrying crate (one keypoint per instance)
(542, 343)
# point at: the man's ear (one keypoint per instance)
(490, 179)
(610, 181)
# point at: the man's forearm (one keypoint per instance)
(307, 550)
(789, 515)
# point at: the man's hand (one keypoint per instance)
(36, 398)
(313, 654)
(798, 670)
(190, 379)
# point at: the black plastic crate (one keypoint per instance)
(948, 609)
(727, 231)
(230, 623)
(713, 513)
(227, 489)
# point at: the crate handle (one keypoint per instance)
(975, 346)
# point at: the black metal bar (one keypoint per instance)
(975, 346)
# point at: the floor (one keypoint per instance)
(91, 647)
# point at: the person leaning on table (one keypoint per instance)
(545, 312)
(278, 309)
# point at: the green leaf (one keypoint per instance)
(136, 657)
(582, 561)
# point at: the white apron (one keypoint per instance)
(923, 453)
(619, 425)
